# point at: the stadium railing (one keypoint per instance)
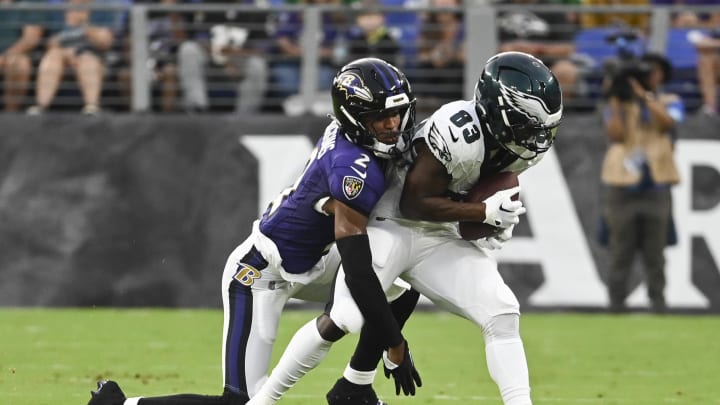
(481, 33)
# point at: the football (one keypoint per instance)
(484, 188)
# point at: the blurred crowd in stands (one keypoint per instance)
(223, 59)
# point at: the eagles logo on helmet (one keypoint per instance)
(534, 108)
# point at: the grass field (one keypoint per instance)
(54, 357)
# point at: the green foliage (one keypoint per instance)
(54, 357)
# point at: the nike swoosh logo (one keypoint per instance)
(452, 135)
(359, 173)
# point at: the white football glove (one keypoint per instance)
(501, 211)
(505, 235)
(489, 243)
(496, 241)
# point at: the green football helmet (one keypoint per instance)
(520, 103)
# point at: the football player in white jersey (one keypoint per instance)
(508, 126)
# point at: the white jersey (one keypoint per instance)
(454, 137)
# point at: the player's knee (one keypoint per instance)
(495, 301)
(352, 323)
(328, 329)
(355, 324)
(507, 301)
(347, 316)
(502, 327)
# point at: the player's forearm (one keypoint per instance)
(441, 209)
(366, 289)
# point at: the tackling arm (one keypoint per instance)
(354, 247)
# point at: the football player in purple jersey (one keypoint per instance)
(295, 249)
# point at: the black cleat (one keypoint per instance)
(107, 393)
(346, 393)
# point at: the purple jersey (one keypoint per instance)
(337, 169)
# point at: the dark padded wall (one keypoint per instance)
(126, 210)
(140, 210)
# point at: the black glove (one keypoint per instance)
(405, 374)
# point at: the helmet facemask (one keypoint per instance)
(369, 139)
(512, 119)
(368, 90)
(525, 135)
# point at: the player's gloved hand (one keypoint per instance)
(405, 374)
(489, 243)
(496, 241)
(501, 211)
(504, 235)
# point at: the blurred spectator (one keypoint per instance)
(706, 40)
(548, 35)
(369, 37)
(21, 31)
(226, 45)
(639, 169)
(708, 70)
(166, 32)
(80, 43)
(597, 19)
(688, 18)
(441, 55)
(285, 68)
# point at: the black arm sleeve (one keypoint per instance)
(365, 287)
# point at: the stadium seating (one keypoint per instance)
(406, 28)
(683, 56)
(593, 45)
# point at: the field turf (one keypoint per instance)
(54, 357)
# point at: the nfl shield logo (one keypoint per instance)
(352, 186)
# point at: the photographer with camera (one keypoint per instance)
(639, 169)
